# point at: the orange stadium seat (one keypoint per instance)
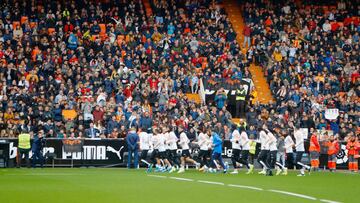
(23, 19)
(102, 34)
(51, 31)
(94, 37)
(33, 24)
(341, 94)
(15, 24)
(102, 28)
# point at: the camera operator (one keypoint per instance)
(37, 149)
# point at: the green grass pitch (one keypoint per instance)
(136, 186)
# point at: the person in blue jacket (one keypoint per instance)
(217, 150)
(220, 98)
(132, 140)
(72, 41)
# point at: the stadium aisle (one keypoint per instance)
(234, 12)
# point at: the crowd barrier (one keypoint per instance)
(111, 152)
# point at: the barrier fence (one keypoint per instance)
(111, 152)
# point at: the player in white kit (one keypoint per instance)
(236, 149)
(185, 153)
(300, 150)
(162, 151)
(262, 157)
(145, 142)
(245, 147)
(204, 143)
(155, 153)
(289, 145)
(272, 151)
(171, 146)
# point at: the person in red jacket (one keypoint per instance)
(353, 152)
(153, 82)
(128, 90)
(333, 149)
(314, 150)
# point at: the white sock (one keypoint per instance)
(216, 164)
(145, 162)
(280, 165)
(264, 166)
(303, 165)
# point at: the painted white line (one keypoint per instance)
(293, 194)
(46, 174)
(210, 182)
(183, 179)
(244, 186)
(156, 176)
(328, 201)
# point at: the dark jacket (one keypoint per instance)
(37, 144)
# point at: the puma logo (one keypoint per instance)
(117, 152)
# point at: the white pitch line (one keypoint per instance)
(183, 179)
(293, 194)
(156, 176)
(46, 174)
(244, 186)
(210, 182)
(328, 201)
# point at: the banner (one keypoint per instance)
(202, 92)
(331, 114)
(102, 152)
(230, 89)
(92, 152)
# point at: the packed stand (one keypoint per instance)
(71, 67)
(310, 56)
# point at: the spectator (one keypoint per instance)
(247, 35)
(91, 132)
(220, 98)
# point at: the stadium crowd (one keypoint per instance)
(69, 67)
(72, 67)
(310, 55)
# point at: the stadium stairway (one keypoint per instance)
(233, 9)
